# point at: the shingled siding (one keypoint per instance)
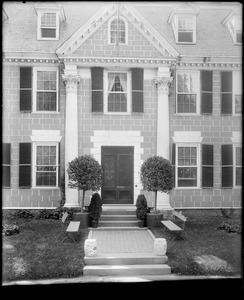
(17, 128)
(97, 45)
(215, 129)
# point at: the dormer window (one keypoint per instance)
(49, 19)
(117, 31)
(234, 24)
(183, 21)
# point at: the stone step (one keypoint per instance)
(127, 270)
(118, 223)
(118, 218)
(125, 259)
(118, 212)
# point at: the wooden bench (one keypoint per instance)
(72, 228)
(173, 227)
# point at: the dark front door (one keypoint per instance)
(118, 169)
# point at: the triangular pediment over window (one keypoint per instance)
(103, 36)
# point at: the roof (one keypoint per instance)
(20, 29)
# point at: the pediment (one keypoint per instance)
(97, 29)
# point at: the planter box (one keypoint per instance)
(142, 223)
(154, 220)
(84, 219)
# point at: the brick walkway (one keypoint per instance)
(123, 241)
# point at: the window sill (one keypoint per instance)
(185, 43)
(187, 188)
(47, 112)
(45, 188)
(187, 114)
(48, 39)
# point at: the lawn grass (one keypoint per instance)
(37, 252)
(206, 250)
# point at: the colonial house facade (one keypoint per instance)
(122, 82)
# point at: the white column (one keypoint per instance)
(71, 79)
(162, 82)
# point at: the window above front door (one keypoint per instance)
(117, 92)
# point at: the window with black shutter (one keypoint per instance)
(137, 90)
(226, 92)
(6, 165)
(97, 89)
(207, 92)
(25, 89)
(207, 166)
(173, 159)
(25, 165)
(227, 166)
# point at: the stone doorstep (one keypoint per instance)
(125, 258)
(118, 218)
(128, 270)
(118, 223)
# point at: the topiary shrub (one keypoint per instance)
(85, 173)
(157, 175)
(95, 207)
(141, 207)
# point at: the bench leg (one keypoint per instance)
(178, 235)
(70, 237)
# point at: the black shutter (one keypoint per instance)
(25, 165)
(25, 89)
(6, 162)
(227, 166)
(137, 89)
(207, 92)
(207, 166)
(97, 89)
(226, 93)
(173, 159)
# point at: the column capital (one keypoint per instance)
(71, 78)
(162, 83)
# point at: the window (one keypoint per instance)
(117, 96)
(231, 160)
(187, 165)
(185, 29)
(117, 92)
(238, 166)
(226, 92)
(6, 165)
(235, 29)
(187, 92)
(48, 25)
(45, 171)
(237, 92)
(117, 31)
(45, 90)
(49, 18)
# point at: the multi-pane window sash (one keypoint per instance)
(117, 32)
(117, 92)
(48, 25)
(226, 92)
(46, 165)
(238, 166)
(45, 90)
(187, 166)
(185, 29)
(187, 92)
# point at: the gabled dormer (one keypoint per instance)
(234, 24)
(49, 18)
(183, 22)
(4, 15)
